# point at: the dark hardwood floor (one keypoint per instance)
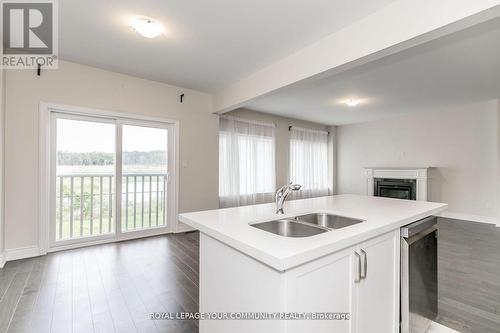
(103, 288)
(469, 276)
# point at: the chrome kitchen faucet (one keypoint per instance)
(281, 195)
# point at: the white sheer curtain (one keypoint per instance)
(246, 162)
(309, 162)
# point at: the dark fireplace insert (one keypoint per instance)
(395, 188)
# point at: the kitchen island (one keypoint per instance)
(351, 270)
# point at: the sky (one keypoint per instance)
(86, 136)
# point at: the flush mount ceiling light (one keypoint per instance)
(146, 27)
(351, 102)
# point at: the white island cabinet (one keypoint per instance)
(232, 282)
(354, 270)
(333, 284)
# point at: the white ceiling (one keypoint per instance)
(209, 44)
(458, 69)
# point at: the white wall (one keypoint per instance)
(461, 144)
(90, 87)
(283, 138)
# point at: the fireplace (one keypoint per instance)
(398, 182)
(395, 188)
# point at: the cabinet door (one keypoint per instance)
(377, 302)
(324, 285)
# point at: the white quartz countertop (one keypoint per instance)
(231, 226)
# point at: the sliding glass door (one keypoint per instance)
(110, 178)
(145, 177)
(84, 179)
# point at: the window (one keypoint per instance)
(309, 161)
(246, 162)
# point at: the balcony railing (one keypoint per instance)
(85, 203)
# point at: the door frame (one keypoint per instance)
(45, 172)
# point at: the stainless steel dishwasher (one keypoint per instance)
(419, 275)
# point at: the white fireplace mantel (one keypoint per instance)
(419, 174)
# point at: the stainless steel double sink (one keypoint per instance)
(306, 225)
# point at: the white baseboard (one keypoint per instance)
(438, 328)
(470, 218)
(21, 253)
(2, 260)
(181, 227)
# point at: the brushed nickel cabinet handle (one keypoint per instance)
(364, 271)
(358, 271)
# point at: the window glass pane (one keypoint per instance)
(85, 169)
(144, 181)
(246, 162)
(309, 162)
(255, 152)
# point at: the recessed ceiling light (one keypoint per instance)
(351, 102)
(146, 27)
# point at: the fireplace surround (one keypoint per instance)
(398, 182)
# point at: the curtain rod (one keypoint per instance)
(308, 130)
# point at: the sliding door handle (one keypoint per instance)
(358, 267)
(364, 271)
